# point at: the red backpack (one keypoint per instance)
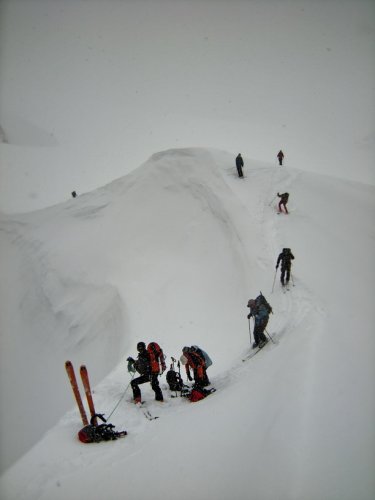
(197, 394)
(156, 356)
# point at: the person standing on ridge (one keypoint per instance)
(239, 164)
(280, 156)
(284, 200)
(285, 258)
(143, 365)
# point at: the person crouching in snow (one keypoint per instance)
(191, 359)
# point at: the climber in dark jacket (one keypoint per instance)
(285, 258)
(280, 156)
(239, 164)
(143, 366)
(284, 200)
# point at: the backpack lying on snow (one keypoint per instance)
(199, 393)
(96, 433)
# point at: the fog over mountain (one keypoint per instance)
(90, 90)
(141, 108)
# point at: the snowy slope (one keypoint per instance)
(171, 253)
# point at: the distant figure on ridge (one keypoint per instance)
(284, 200)
(239, 164)
(285, 258)
(74, 194)
(280, 156)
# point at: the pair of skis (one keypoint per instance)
(253, 353)
(145, 411)
(86, 385)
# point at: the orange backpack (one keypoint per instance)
(156, 356)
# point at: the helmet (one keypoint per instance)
(251, 303)
(186, 349)
(141, 346)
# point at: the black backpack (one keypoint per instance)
(96, 433)
(142, 364)
(262, 301)
(174, 380)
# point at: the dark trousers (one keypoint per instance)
(280, 161)
(201, 380)
(281, 204)
(285, 271)
(153, 378)
(239, 170)
(260, 326)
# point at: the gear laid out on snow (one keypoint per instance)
(174, 379)
(94, 433)
(91, 432)
(198, 393)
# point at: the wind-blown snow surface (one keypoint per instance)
(171, 253)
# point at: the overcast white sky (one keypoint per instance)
(90, 89)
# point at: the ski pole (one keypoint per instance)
(269, 336)
(291, 275)
(274, 279)
(122, 397)
(249, 331)
(273, 199)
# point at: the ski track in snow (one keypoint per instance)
(293, 309)
(247, 227)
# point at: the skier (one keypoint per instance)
(285, 258)
(144, 366)
(284, 200)
(260, 310)
(192, 359)
(239, 164)
(280, 156)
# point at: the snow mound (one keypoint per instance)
(171, 253)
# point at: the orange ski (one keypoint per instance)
(73, 382)
(86, 385)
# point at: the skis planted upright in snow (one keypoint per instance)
(86, 385)
(73, 382)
